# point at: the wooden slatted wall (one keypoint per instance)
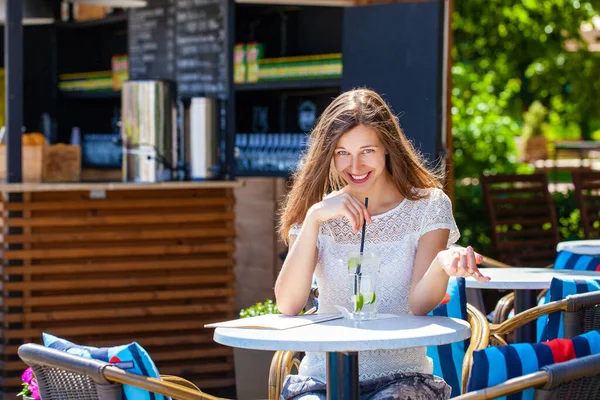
(151, 266)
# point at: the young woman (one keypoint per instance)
(358, 150)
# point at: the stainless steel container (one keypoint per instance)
(203, 142)
(148, 131)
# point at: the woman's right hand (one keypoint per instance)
(341, 205)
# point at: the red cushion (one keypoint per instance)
(562, 349)
(446, 299)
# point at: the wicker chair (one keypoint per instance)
(506, 303)
(284, 362)
(581, 314)
(573, 379)
(64, 376)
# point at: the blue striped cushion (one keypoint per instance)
(580, 262)
(495, 365)
(129, 357)
(565, 260)
(559, 289)
(448, 358)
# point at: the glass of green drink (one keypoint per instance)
(364, 271)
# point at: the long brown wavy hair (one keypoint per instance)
(316, 176)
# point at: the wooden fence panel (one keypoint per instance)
(151, 266)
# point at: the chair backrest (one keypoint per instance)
(574, 379)
(568, 314)
(587, 198)
(582, 299)
(523, 222)
(578, 378)
(63, 376)
(448, 358)
(583, 314)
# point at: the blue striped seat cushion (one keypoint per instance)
(130, 357)
(566, 260)
(551, 327)
(448, 358)
(495, 365)
(580, 262)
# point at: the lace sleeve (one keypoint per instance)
(438, 215)
(294, 230)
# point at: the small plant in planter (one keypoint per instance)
(268, 307)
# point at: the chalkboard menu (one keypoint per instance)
(184, 41)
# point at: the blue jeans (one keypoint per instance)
(402, 386)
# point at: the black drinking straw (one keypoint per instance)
(362, 238)
(362, 248)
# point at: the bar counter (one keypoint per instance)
(60, 187)
(104, 264)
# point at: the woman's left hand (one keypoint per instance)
(458, 261)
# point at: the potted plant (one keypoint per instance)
(252, 366)
(534, 126)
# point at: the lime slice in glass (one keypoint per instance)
(352, 263)
(358, 302)
(370, 297)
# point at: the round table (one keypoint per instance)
(526, 278)
(525, 281)
(587, 247)
(342, 339)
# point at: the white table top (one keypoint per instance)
(526, 278)
(587, 247)
(348, 335)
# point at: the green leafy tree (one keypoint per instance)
(508, 54)
(483, 131)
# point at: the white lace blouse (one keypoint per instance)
(394, 235)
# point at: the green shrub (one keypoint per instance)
(471, 216)
(568, 216)
(268, 307)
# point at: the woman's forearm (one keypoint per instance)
(294, 282)
(430, 290)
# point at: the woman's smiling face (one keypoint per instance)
(360, 158)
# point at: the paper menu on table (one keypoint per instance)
(275, 321)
